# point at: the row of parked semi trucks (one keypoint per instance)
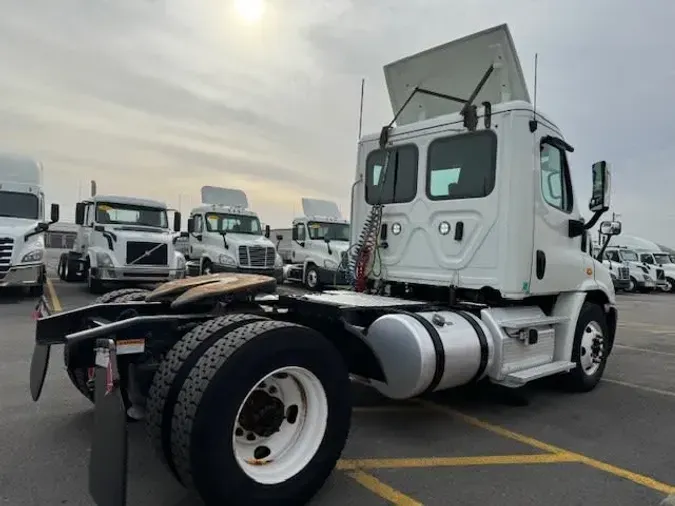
(122, 240)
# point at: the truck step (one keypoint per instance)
(537, 321)
(519, 378)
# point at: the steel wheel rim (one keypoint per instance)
(312, 278)
(589, 359)
(300, 408)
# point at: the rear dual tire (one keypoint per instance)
(200, 418)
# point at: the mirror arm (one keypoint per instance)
(603, 248)
(593, 220)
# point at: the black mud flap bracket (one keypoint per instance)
(40, 361)
(109, 447)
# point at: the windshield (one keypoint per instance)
(629, 256)
(331, 231)
(19, 205)
(662, 258)
(234, 223)
(129, 214)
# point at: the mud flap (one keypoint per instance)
(109, 448)
(40, 361)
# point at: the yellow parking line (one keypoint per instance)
(640, 479)
(483, 460)
(54, 299)
(383, 490)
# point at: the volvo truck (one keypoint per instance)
(245, 390)
(23, 224)
(123, 241)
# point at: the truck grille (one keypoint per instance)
(624, 273)
(6, 247)
(256, 256)
(159, 256)
(660, 274)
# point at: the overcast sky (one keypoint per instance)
(156, 98)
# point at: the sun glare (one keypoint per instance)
(250, 10)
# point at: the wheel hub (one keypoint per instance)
(262, 414)
(592, 348)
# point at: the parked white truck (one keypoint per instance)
(657, 259)
(226, 236)
(121, 241)
(315, 253)
(618, 269)
(23, 224)
(643, 277)
(248, 400)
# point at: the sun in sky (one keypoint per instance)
(250, 11)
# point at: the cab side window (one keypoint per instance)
(556, 184)
(613, 256)
(199, 224)
(647, 259)
(299, 232)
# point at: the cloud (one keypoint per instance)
(165, 96)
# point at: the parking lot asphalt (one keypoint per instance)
(613, 446)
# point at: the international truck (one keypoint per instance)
(23, 224)
(315, 254)
(226, 236)
(245, 390)
(123, 241)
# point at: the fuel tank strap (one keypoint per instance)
(439, 351)
(482, 340)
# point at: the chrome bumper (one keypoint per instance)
(132, 274)
(24, 275)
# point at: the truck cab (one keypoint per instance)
(618, 269)
(123, 240)
(317, 250)
(226, 236)
(23, 224)
(642, 278)
(660, 260)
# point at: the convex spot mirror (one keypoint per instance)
(610, 227)
(600, 197)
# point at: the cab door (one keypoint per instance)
(196, 239)
(558, 263)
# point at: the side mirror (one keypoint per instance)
(54, 213)
(600, 197)
(267, 231)
(42, 227)
(279, 237)
(79, 213)
(190, 225)
(610, 228)
(176, 221)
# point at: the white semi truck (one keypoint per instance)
(122, 241)
(658, 259)
(644, 278)
(23, 224)
(247, 399)
(316, 251)
(226, 236)
(618, 269)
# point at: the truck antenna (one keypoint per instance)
(363, 85)
(533, 122)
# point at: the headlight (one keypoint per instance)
(103, 260)
(329, 264)
(226, 260)
(33, 256)
(278, 261)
